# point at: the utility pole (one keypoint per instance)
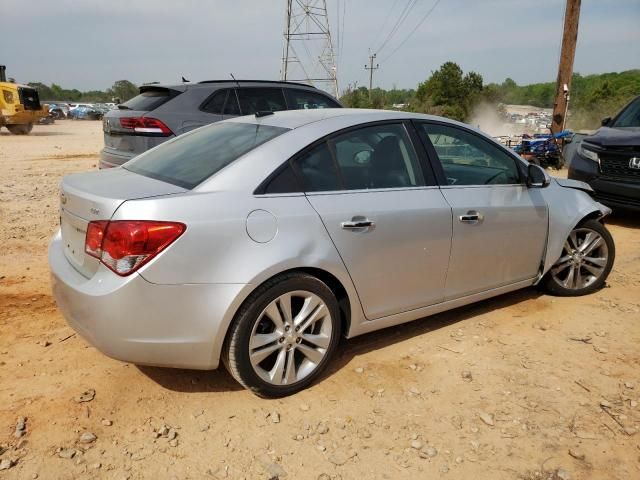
(371, 68)
(307, 26)
(565, 69)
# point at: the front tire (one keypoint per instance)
(283, 336)
(585, 263)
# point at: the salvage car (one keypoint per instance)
(162, 112)
(609, 160)
(85, 113)
(260, 241)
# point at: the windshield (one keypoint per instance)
(192, 158)
(629, 117)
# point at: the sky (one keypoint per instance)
(89, 44)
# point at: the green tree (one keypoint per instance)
(123, 89)
(449, 92)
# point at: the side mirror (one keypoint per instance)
(605, 121)
(537, 177)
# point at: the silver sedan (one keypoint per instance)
(262, 240)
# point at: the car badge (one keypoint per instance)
(635, 163)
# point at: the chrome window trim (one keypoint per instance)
(373, 190)
(502, 185)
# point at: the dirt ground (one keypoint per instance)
(523, 386)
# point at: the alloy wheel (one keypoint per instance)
(290, 338)
(583, 261)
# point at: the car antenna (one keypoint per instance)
(234, 79)
(259, 113)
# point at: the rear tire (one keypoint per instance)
(20, 129)
(585, 262)
(283, 336)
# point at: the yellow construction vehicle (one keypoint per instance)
(19, 106)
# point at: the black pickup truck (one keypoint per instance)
(609, 160)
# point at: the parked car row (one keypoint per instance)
(79, 111)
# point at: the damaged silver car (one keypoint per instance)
(260, 241)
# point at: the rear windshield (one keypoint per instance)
(192, 158)
(150, 99)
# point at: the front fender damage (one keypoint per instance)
(567, 208)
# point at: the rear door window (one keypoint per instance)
(231, 106)
(380, 156)
(372, 157)
(318, 170)
(254, 100)
(215, 103)
(151, 99)
(305, 100)
(192, 158)
(285, 181)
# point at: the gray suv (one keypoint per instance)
(162, 112)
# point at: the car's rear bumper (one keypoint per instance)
(133, 320)
(110, 159)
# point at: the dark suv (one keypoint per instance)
(609, 160)
(162, 112)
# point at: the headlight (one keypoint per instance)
(586, 153)
(8, 96)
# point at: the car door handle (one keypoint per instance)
(352, 225)
(471, 217)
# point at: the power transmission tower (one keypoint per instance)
(307, 30)
(565, 69)
(371, 68)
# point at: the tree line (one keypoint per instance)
(122, 90)
(450, 92)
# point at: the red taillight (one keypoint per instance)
(146, 126)
(93, 240)
(128, 122)
(125, 245)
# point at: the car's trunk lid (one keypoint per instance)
(85, 197)
(121, 139)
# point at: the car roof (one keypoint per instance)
(292, 119)
(232, 83)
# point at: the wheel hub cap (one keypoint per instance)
(583, 261)
(290, 338)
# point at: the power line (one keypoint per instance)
(344, 13)
(403, 16)
(396, 26)
(338, 29)
(422, 20)
(387, 17)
